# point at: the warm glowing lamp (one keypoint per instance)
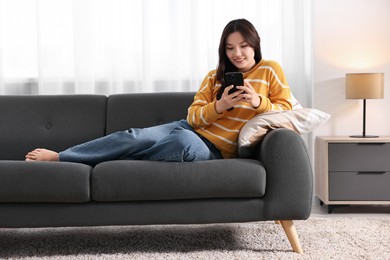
(364, 86)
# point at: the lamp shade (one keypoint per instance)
(364, 85)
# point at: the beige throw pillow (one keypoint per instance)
(301, 120)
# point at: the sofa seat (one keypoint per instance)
(143, 181)
(44, 182)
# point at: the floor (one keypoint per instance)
(352, 211)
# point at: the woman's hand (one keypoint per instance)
(245, 93)
(228, 101)
(249, 95)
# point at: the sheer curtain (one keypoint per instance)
(123, 46)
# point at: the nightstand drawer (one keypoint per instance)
(359, 186)
(359, 156)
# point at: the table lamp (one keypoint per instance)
(364, 86)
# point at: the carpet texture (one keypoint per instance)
(321, 238)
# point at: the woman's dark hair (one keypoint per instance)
(248, 31)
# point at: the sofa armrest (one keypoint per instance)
(289, 172)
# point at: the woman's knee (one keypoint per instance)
(193, 147)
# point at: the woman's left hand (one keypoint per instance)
(249, 96)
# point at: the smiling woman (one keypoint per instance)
(106, 47)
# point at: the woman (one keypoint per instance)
(212, 127)
(265, 88)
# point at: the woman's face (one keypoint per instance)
(239, 52)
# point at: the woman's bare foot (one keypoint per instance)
(42, 155)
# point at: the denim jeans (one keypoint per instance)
(176, 141)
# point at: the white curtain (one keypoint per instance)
(124, 46)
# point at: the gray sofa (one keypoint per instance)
(276, 184)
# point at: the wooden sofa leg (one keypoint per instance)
(291, 232)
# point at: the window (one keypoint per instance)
(117, 46)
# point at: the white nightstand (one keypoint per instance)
(352, 170)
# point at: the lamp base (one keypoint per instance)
(364, 136)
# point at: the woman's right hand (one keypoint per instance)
(228, 101)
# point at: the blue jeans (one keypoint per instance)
(176, 141)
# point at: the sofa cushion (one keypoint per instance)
(44, 182)
(54, 122)
(151, 180)
(146, 109)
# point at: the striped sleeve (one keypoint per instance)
(202, 112)
(279, 95)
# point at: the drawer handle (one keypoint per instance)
(371, 143)
(372, 172)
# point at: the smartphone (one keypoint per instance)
(235, 79)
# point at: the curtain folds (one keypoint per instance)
(122, 46)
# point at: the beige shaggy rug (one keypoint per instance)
(321, 238)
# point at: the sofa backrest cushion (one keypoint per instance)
(140, 110)
(44, 121)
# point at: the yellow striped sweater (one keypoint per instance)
(269, 81)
